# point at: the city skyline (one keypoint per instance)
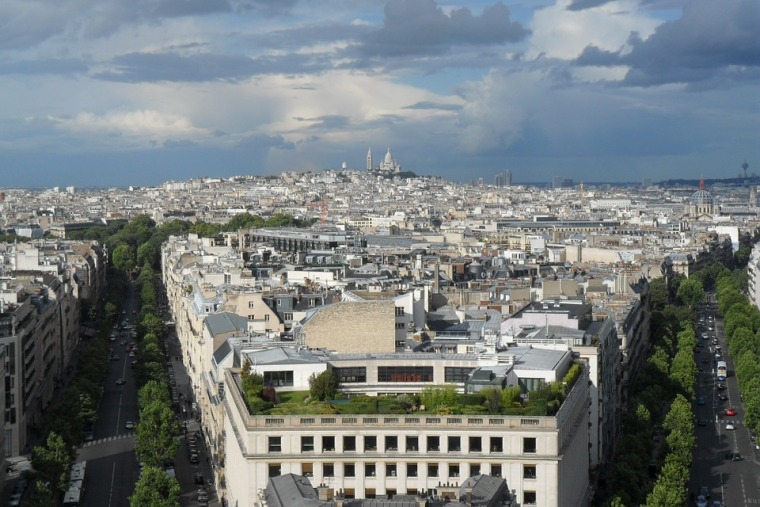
(159, 90)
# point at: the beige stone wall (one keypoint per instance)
(353, 327)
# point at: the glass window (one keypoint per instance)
(390, 470)
(456, 374)
(432, 469)
(497, 444)
(529, 498)
(328, 443)
(307, 444)
(369, 470)
(274, 470)
(351, 375)
(476, 445)
(412, 443)
(349, 443)
(370, 443)
(307, 469)
(278, 378)
(496, 470)
(328, 470)
(391, 443)
(529, 471)
(454, 444)
(433, 443)
(529, 445)
(404, 373)
(411, 469)
(349, 470)
(453, 469)
(275, 445)
(474, 469)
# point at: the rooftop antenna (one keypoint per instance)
(745, 166)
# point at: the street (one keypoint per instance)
(731, 480)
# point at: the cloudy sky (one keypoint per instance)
(114, 92)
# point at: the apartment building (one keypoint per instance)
(545, 459)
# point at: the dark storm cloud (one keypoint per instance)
(422, 27)
(298, 36)
(579, 5)
(329, 122)
(26, 23)
(434, 105)
(180, 8)
(264, 141)
(44, 66)
(268, 7)
(153, 67)
(711, 38)
(179, 143)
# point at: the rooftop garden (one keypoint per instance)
(324, 397)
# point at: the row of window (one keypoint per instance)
(401, 374)
(392, 469)
(412, 443)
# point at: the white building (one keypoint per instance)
(544, 459)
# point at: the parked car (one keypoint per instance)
(194, 458)
(730, 411)
(129, 425)
(729, 426)
(120, 382)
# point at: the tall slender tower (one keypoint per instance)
(369, 159)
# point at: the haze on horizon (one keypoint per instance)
(114, 93)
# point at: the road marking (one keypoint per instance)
(113, 478)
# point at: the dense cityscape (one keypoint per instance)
(359, 338)
(379, 253)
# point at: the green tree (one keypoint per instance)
(152, 324)
(112, 312)
(156, 433)
(51, 461)
(438, 396)
(123, 258)
(146, 254)
(493, 400)
(155, 489)
(690, 292)
(323, 386)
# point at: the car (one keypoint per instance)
(716, 503)
(194, 458)
(112, 338)
(729, 426)
(722, 397)
(730, 411)
(702, 422)
(701, 501)
(720, 387)
(700, 401)
(202, 495)
(123, 342)
(120, 382)
(130, 425)
(15, 500)
(115, 357)
(198, 479)
(734, 456)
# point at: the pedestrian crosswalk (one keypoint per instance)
(109, 439)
